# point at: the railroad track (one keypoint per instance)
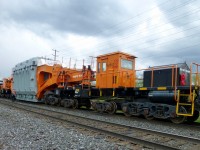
(193, 126)
(132, 137)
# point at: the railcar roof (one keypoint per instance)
(118, 52)
(179, 65)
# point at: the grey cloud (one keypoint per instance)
(101, 18)
(85, 17)
(183, 15)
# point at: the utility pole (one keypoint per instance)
(92, 61)
(75, 64)
(55, 54)
(69, 62)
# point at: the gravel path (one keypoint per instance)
(23, 130)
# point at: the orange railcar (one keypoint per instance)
(57, 78)
(115, 70)
(6, 87)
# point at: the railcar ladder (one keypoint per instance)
(191, 96)
(189, 105)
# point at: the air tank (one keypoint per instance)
(164, 97)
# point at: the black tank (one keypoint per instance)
(164, 97)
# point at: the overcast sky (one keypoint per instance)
(156, 31)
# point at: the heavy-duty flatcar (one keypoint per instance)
(40, 80)
(167, 92)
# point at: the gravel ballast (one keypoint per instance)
(23, 130)
(131, 121)
(28, 131)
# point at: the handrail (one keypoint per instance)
(191, 81)
(172, 75)
(175, 85)
(152, 69)
(161, 67)
(197, 83)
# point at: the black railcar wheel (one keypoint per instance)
(194, 117)
(149, 117)
(113, 108)
(75, 104)
(53, 101)
(127, 114)
(46, 101)
(125, 110)
(66, 104)
(179, 119)
(88, 105)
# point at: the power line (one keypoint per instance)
(165, 42)
(157, 32)
(131, 18)
(136, 16)
(171, 11)
(160, 44)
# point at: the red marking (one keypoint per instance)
(182, 81)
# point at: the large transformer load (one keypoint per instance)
(25, 80)
(40, 79)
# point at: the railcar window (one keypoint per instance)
(126, 64)
(104, 67)
(99, 67)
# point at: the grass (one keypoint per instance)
(198, 120)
